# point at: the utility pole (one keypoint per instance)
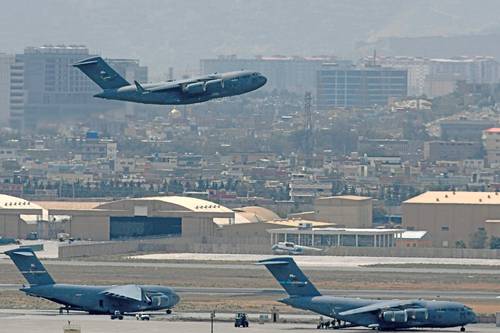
(308, 145)
(212, 316)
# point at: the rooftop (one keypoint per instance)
(346, 197)
(410, 234)
(456, 197)
(10, 202)
(493, 130)
(342, 231)
(193, 204)
(71, 205)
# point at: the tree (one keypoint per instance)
(495, 242)
(460, 244)
(478, 239)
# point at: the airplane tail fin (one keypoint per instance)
(101, 73)
(290, 277)
(28, 264)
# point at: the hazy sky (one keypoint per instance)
(178, 33)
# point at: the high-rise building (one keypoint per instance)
(348, 86)
(294, 74)
(55, 90)
(17, 94)
(6, 61)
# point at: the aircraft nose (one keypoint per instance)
(474, 319)
(175, 298)
(263, 80)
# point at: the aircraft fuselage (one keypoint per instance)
(188, 91)
(93, 300)
(429, 313)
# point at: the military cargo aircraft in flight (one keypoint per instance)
(175, 92)
(114, 300)
(375, 314)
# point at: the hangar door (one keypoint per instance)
(143, 226)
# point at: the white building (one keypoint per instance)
(418, 69)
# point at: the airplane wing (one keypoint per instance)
(379, 306)
(129, 291)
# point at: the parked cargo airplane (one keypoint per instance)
(114, 300)
(376, 314)
(186, 91)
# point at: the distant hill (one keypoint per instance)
(178, 33)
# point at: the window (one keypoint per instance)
(445, 228)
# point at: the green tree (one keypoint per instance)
(495, 242)
(460, 244)
(478, 239)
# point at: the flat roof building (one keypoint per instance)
(347, 87)
(295, 74)
(336, 237)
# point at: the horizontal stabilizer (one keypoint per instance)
(271, 262)
(139, 87)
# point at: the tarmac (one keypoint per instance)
(320, 261)
(31, 322)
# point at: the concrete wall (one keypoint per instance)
(461, 220)
(414, 252)
(181, 245)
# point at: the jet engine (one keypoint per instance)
(214, 85)
(195, 88)
(158, 300)
(399, 316)
(417, 314)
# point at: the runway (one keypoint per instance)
(361, 293)
(318, 266)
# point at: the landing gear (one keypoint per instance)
(117, 315)
(168, 311)
(334, 324)
(462, 329)
(61, 310)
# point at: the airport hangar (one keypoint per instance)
(192, 219)
(451, 216)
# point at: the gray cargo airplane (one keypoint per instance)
(375, 314)
(114, 300)
(186, 91)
